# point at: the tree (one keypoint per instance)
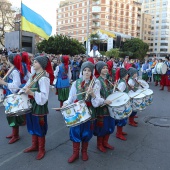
(61, 44)
(7, 19)
(114, 52)
(136, 47)
(95, 39)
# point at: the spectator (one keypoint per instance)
(75, 68)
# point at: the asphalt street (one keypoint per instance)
(147, 146)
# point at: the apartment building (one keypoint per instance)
(146, 30)
(160, 26)
(123, 16)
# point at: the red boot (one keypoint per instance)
(168, 88)
(9, 136)
(34, 146)
(84, 151)
(15, 137)
(124, 133)
(61, 103)
(76, 148)
(105, 142)
(41, 148)
(132, 122)
(156, 83)
(100, 144)
(119, 133)
(162, 88)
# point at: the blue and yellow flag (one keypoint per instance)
(38, 16)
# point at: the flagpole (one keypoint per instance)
(21, 29)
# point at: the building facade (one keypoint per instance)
(146, 29)
(122, 16)
(160, 26)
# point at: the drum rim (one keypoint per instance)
(23, 110)
(119, 105)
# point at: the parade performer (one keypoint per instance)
(167, 82)
(105, 124)
(82, 133)
(26, 67)
(157, 77)
(112, 71)
(133, 73)
(38, 93)
(126, 63)
(63, 75)
(153, 67)
(12, 84)
(163, 76)
(122, 76)
(145, 69)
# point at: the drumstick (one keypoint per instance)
(22, 88)
(113, 100)
(138, 94)
(139, 83)
(9, 71)
(82, 93)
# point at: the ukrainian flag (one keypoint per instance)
(36, 17)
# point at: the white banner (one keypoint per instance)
(109, 44)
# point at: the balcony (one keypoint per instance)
(95, 2)
(96, 25)
(96, 17)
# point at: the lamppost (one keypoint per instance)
(19, 25)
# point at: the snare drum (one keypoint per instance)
(1, 95)
(144, 84)
(137, 100)
(161, 68)
(76, 113)
(120, 108)
(149, 96)
(16, 104)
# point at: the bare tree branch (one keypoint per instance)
(7, 19)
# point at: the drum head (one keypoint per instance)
(148, 92)
(144, 84)
(164, 68)
(118, 98)
(136, 95)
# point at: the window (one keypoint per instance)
(164, 44)
(163, 50)
(164, 38)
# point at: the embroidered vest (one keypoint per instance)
(81, 88)
(38, 110)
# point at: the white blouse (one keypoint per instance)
(72, 96)
(41, 97)
(122, 86)
(57, 70)
(14, 86)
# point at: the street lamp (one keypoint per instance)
(19, 22)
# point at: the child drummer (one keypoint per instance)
(122, 76)
(105, 124)
(82, 133)
(133, 73)
(37, 118)
(12, 84)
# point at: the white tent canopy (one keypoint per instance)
(91, 54)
